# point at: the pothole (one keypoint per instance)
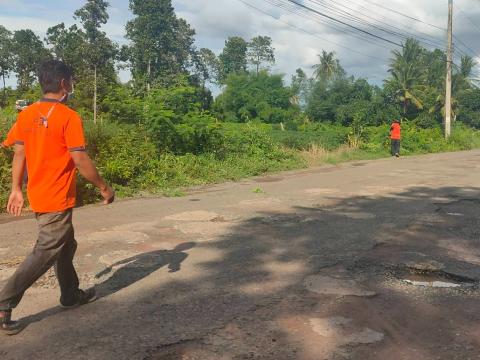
(434, 279)
(459, 208)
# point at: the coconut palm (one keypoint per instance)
(408, 74)
(329, 67)
(461, 80)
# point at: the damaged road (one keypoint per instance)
(371, 262)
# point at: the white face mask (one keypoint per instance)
(69, 95)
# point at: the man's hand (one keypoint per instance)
(15, 203)
(108, 195)
(87, 169)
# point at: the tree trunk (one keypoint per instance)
(149, 74)
(4, 101)
(95, 94)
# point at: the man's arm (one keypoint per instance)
(87, 169)
(16, 201)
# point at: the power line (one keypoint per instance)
(285, 5)
(472, 22)
(301, 11)
(310, 13)
(382, 26)
(388, 22)
(348, 16)
(404, 15)
(344, 23)
(467, 17)
(473, 52)
(308, 32)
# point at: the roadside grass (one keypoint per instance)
(136, 167)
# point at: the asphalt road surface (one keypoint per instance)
(368, 260)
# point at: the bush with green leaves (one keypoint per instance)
(250, 96)
(122, 105)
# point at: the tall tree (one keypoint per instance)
(101, 51)
(328, 68)
(260, 51)
(233, 59)
(161, 43)
(205, 64)
(408, 74)
(300, 86)
(6, 58)
(68, 44)
(28, 53)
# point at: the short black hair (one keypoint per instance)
(51, 74)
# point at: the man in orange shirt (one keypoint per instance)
(395, 136)
(49, 141)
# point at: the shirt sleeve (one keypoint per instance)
(12, 136)
(74, 135)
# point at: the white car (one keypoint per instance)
(20, 105)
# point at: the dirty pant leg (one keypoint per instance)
(55, 242)
(395, 149)
(65, 271)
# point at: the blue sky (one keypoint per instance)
(215, 20)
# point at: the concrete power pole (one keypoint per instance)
(448, 94)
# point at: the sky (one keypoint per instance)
(297, 40)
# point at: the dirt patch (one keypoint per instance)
(127, 237)
(116, 256)
(341, 329)
(137, 227)
(261, 202)
(321, 191)
(359, 164)
(326, 285)
(205, 229)
(268, 179)
(199, 215)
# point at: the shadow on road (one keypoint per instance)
(128, 271)
(249, 300)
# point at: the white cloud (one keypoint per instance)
(216, 20)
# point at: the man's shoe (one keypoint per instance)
(82, 298)
(7, 326)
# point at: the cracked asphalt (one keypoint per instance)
(313, 266)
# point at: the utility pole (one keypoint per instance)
(448, 94)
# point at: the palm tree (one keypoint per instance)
(460, 82)
(408, 72)
(329, 67)
(467, 65)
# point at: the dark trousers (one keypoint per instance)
(395, 147)
(55, 246)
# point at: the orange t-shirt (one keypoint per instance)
(10, 139)
(395, 132)
(51, 171)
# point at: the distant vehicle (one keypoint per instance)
(20, 105)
